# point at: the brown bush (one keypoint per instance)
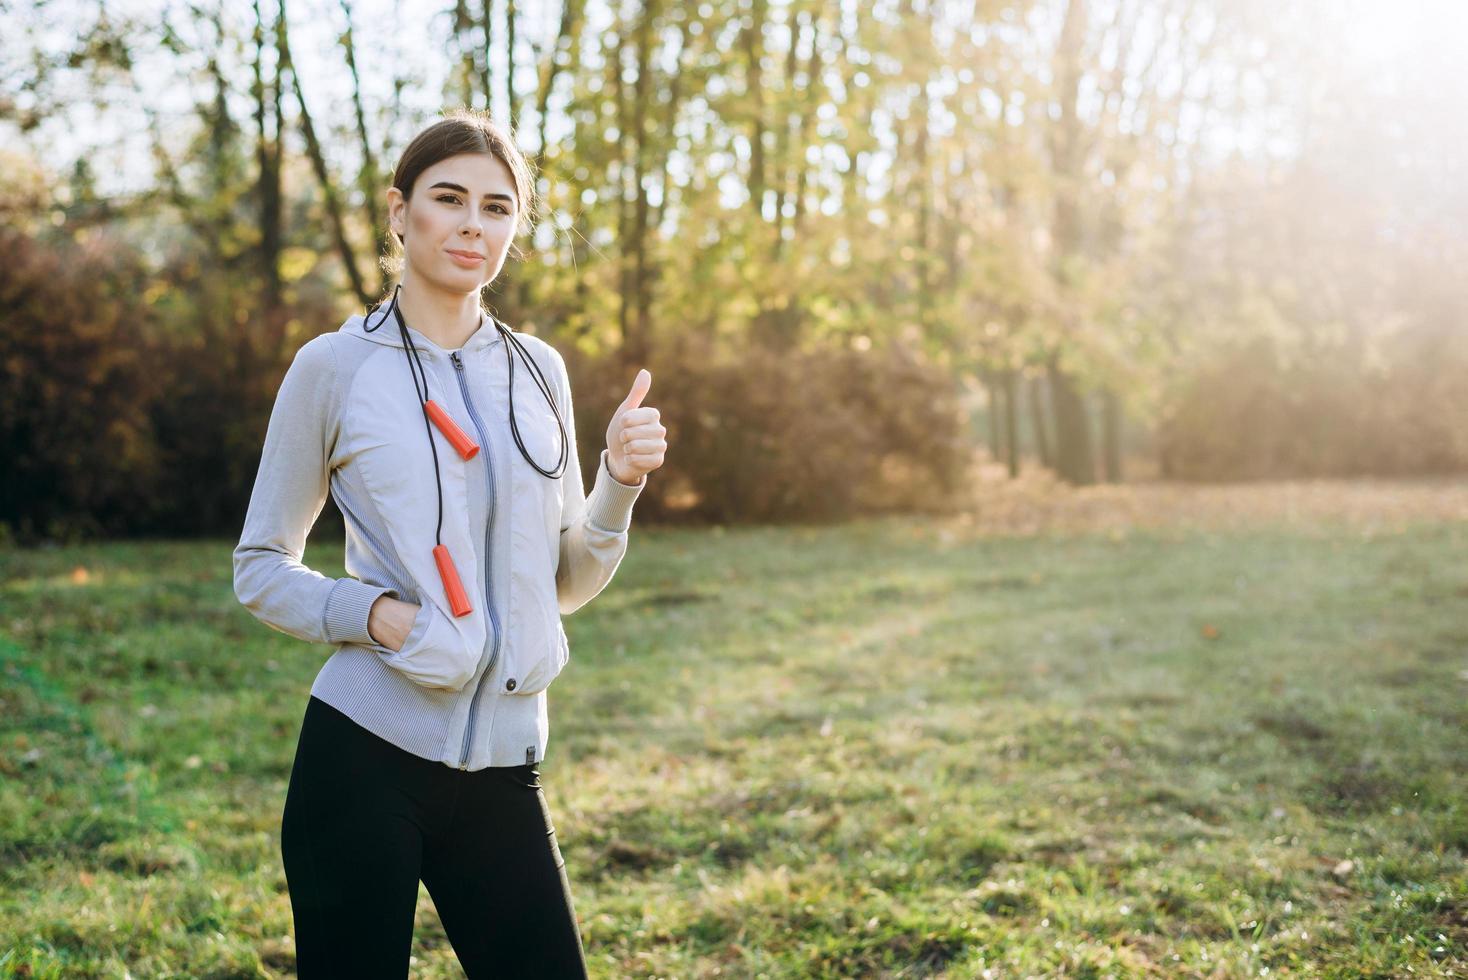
(786, 436)
(123, 416)
(1253, 415)
(76, 383)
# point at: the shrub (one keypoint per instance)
(797, 435)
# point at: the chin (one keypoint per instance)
(458, 280)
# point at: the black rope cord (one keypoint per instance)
(540, 382)
(411, 351)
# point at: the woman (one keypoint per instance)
(448, 443)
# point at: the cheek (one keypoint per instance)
(425, 226)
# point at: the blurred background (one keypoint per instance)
(878, 256)
(1067, 408)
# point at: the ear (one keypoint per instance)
(396, 206)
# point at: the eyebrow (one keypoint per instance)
(465, 191)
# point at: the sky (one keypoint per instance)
(115, 137)
(1361, 41)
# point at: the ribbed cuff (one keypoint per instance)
(609, 505)
(347, 608)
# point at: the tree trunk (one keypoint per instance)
(1037, 422)
(921, 110)
(1011, 422)
(512, 97)
(369, 177)
(1111, 420)
(991, 391)
(675, 102)
(626, 299)
(267, 163)
(1072, 428)
(468, 60)
(569, 11)
(514, 283)
(764, 325)
(641, 285)
(486, 61)
(812, 104)
(753, 38)
(1073, 452)
(786, 136)
(323, 176)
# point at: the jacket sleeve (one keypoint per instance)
(593, 528)
(290, 489)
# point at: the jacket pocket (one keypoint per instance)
(540, 670)
(434, 654)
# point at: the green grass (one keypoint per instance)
(890, 748)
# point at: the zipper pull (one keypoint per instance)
(456, 436)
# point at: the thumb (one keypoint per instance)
(640, 384)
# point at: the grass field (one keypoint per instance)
(1224, 741)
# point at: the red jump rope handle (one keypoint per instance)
(458, 599)
(467, 447)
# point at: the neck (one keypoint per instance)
(446, 318)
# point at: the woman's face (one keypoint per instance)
(458, 226)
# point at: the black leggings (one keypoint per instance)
(364, 820)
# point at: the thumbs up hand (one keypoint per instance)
(635, 443)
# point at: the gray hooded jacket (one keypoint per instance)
(467, 691)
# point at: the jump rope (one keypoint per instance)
(467, 448)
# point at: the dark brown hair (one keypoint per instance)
(465, 131)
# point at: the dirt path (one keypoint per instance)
(1036, 503)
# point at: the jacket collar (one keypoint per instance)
(385, 331)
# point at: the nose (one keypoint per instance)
(471, 225)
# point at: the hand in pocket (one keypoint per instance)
(390, 621)
(432, 652)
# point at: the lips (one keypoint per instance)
(466, 259)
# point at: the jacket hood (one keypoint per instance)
(384, 330)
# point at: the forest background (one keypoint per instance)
(870, 251)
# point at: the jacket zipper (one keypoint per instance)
(488, 558)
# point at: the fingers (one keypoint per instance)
(645, 447)
(640, 416)
(638, 440)
(650, 431)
